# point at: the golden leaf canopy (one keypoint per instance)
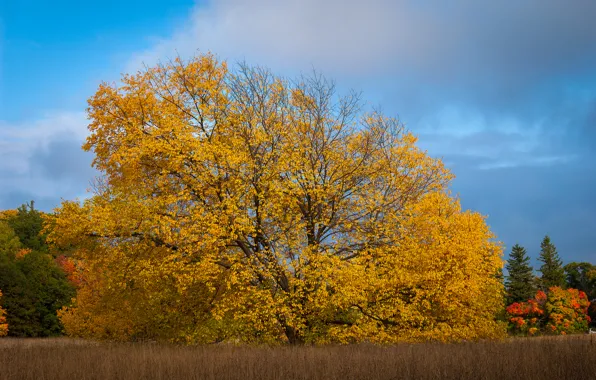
(235, 204)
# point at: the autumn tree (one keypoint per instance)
(567, 311)
(3, 324)
(581, 276)
(9, 241)
(33, 286)
(528, 317)
(552, 266)
(519, 285)
(559, 311)
(234, 203)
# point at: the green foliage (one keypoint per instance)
(9, 242)
(34, 289)
(33, 285)
(582, 276)
(552, 266)
(27, 223)
(519, 285)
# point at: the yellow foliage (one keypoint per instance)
(7, 214)
(237, 204)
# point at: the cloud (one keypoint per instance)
(528, 61)
(62, 159)
(491, 149)
(442, 42)
(42, 160)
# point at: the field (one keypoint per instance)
(572, 357)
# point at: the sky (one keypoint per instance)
(504, 92)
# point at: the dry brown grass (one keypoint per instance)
(530, 358)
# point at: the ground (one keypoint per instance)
(571, 357)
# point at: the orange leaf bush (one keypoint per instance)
(567, 311)
(557, 312)
(3, 324)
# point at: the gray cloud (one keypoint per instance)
(530, 60)
(62, 160)
(42, 160)
(508, 37)
(496, 47)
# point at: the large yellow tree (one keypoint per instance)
(237, 204)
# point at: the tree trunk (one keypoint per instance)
(294, 337)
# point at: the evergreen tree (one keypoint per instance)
(28, 226)
(519, 284)
(552, 270)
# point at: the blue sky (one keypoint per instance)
(504, 91)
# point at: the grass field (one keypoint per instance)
(572, 357)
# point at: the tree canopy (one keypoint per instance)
(27, 223)
(581, 276)
(33, 285)
(238, 204)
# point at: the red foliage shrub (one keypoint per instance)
(558, 312)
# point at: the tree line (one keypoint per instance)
(556, 301)
(33, 286)
(40, 286)
(522, 283)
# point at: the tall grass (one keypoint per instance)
(531, 358)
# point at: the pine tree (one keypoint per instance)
(552, 270)
(519, 284)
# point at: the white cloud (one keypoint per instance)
(74, 123)
(346, 35)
